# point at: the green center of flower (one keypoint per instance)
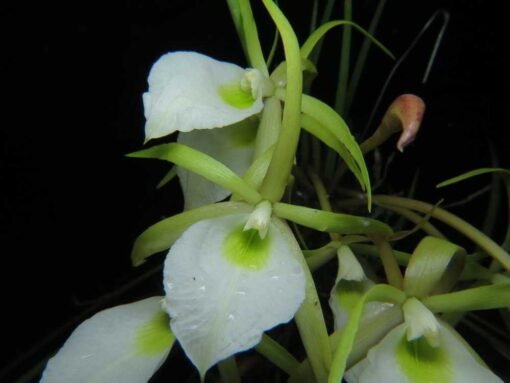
(155, 336)
(245, 248)
(235, 96)
(422, 363)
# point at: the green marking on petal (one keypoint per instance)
(155, 336)
(246, 249)
(422, 363)
(234, 96)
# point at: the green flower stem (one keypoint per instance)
(371, 250)
(229, 371)
(345, 56)
(391, 268)
(477, 298)
(277, 354)
(319, 257)
(321, 192)
(269, 127)
(418, 220)
(310, 318)
(484, 242)
(251, 38)
(280, 167)
(374, 330)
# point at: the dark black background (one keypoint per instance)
(72, 77)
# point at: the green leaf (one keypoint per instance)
(434, 267)
(472, 173)
(201, 164)
(330, 222)
(279, 170)
(169, 176)
(332, 121)
(250, 34)
(319, 33)
(315, 128)
(163, 234)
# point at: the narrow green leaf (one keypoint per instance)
(315, 128)
(202, 164)
(163, 234)
(330, 222)
(345, 60)
(477, 298)
(362, 56)
(169, 176)
(251, 37)
(470, 174)
(434, 267)
(235, 12)
(283, 157)
(319, 33)
(328, 118)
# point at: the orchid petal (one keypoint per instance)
(126, 344)
(188, 91)
(226, 286)
(233, 146)
(396, 360)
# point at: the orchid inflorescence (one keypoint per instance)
(236, 270)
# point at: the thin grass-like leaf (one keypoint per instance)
(470, 174)
(201, 164)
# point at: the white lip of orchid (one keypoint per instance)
(256, 83)
(260, 219)
(420, 322)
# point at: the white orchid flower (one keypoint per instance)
(225, 286)
(126, 344)
(398, 360)
(195, 95)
